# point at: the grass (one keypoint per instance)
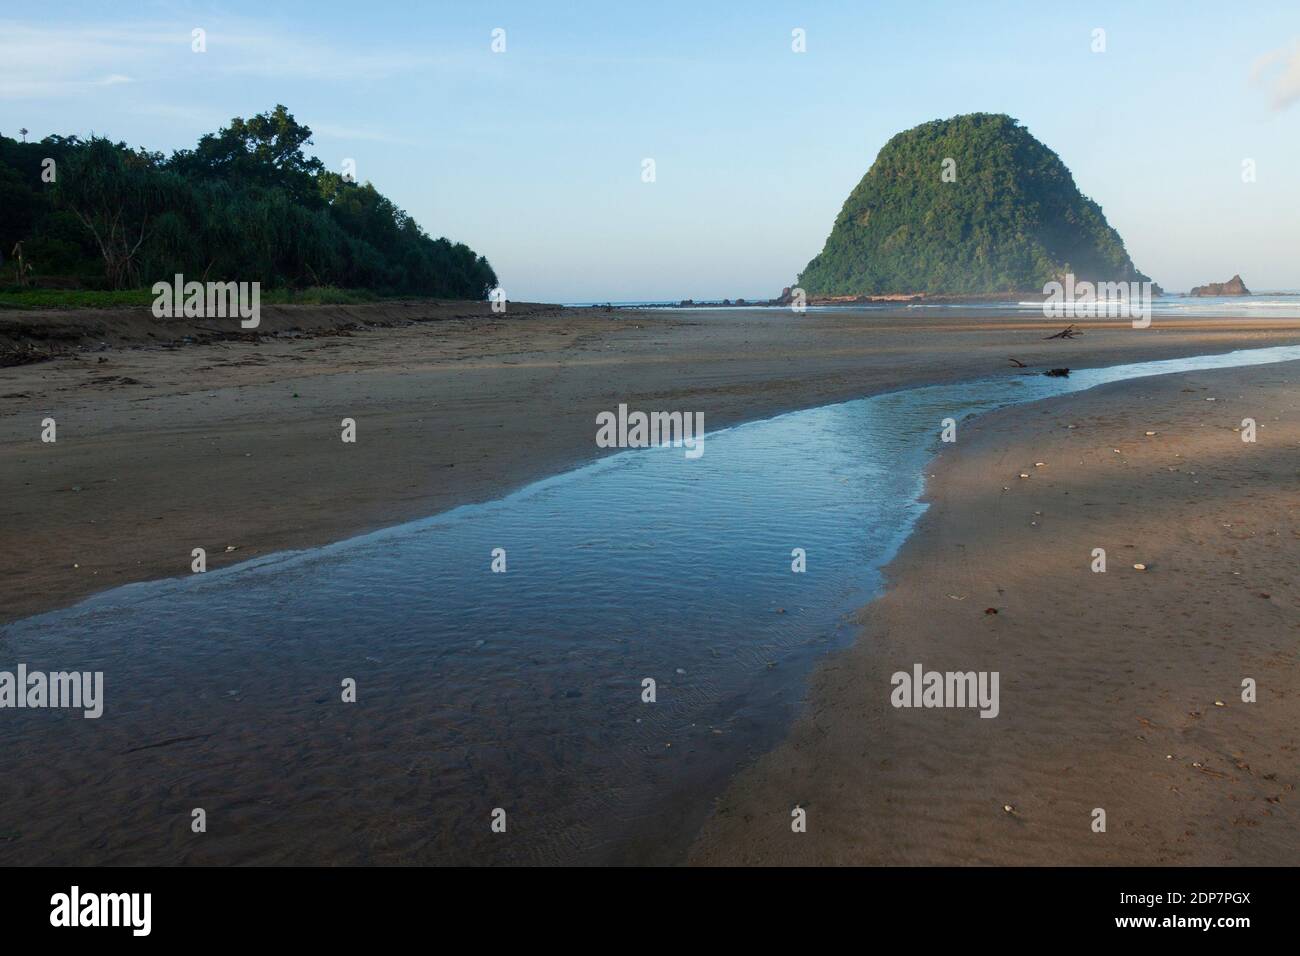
(320, 295)
(14, 297)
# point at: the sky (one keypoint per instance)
(534, 155)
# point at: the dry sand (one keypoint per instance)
(236, 442)
(1120, 691)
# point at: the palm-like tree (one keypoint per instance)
(24, 134)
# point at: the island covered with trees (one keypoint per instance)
(971, 205)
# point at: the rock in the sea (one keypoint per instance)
(971, 205)
(1233, 286)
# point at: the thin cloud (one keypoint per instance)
(205, 119)
(20, 88)
(274, 56)
(1280, 71)
(39, 61)
(348, 132)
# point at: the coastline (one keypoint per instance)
(235, 443)
(1119, 691)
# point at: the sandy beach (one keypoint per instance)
(1108, 681)
(1120, 690)
(433, 441)
(234, 443)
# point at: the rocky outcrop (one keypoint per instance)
(972, 205)
(1233, 286)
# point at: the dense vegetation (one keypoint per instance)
(1011, 221)
(247, 204)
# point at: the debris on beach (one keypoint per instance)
(1068, 332)
(1139, 567)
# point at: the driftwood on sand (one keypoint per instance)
(1068, 332)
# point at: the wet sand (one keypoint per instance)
(235, 443)
(1120, 690)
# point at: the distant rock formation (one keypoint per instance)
(1233, 286)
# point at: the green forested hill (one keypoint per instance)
(1011, 221)
(246, 204)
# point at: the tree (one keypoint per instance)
(115, 193)
(265, 151)
(247, 204)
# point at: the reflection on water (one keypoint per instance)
(479, 690)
